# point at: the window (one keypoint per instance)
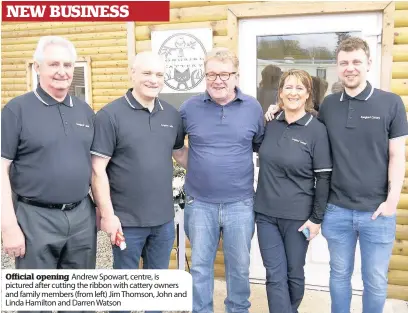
(271, 46)
(321, 73)
(80, 92)
(312, 52)
(80, 86)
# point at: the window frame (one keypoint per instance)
(75, 89)
(322, 70)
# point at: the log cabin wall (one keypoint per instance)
(398, 271)
(191, 15)
(104, 44)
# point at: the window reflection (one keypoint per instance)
(314, 53)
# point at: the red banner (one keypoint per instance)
(72, 11)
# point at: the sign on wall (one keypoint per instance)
(184, 51)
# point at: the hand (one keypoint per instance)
(385, 209)
(111, 225)
(272, 110)
(14, 241)
(313, 228)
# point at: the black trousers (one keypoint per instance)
(283, 250)
(58, 239)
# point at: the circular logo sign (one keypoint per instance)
(184, 55)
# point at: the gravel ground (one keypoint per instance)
(103, 257)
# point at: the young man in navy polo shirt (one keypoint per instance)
(367, 129)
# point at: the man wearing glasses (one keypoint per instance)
(224, 127)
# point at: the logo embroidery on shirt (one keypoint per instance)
(165, 125)
(83, 125)
(370, 117)
(300, 141)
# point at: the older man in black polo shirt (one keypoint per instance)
(46, 139)
(135, 137)
(367, 129)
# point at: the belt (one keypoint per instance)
(60, 206)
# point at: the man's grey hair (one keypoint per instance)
(45, 41)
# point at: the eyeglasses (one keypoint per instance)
(223, 76)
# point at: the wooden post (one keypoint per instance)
(232, 30)
(88, 73)
(131, 41)
(387, 43)
(29, 74)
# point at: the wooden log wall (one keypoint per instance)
(104, 43)
(187, 14)
(398, 272)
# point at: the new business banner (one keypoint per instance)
(73, 11)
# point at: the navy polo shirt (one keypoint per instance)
(221, 143)
(289, 157)
(359, 129)
(139, 144)
(49, 143)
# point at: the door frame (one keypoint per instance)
(279, 9)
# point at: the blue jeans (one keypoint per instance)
(341, 227)
(154, 244)
(204, 224)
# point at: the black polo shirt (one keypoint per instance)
(359, 129)
(49, 143)
(289, 156)
(140, 145)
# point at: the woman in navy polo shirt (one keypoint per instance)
(292, 191)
